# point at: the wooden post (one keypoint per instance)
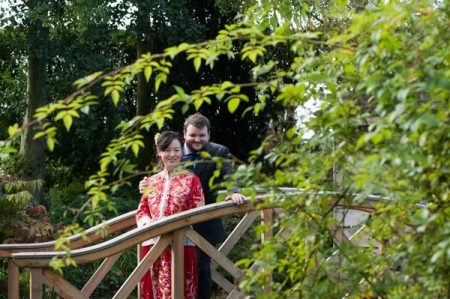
(266, 220)
(138, 255)
(178, 264)
(13, 280)
(35, 283)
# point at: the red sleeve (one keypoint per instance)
(143, 212)
(196, 196)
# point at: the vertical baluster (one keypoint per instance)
(266, 220)
(35, 283)
(13, 280)
(138, 255)
(178, 264)
(266, 233)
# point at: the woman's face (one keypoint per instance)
(171, 156)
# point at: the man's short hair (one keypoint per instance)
(197, 120)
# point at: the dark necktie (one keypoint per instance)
(193, 156)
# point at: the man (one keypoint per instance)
(197, 135)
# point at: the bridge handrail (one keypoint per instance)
(127, 220)
(134, 236)
(91, 235)
(160, 227)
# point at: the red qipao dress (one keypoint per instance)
(167, 195)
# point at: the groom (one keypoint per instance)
(196, 133)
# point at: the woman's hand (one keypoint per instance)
(142, 185)
(236, 198)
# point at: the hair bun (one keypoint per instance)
(156, 138)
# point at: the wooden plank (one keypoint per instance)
(138, 257)
(221, 259)
(62, 287)
(339, 235)
(238, 232)
(132, 280)
(221, 281)
(13, 280)
(35, 283)
(266, 220)
(178, 264)
(235, 294)
(98, 276)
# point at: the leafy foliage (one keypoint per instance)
(22, 222)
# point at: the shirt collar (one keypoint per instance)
(186, 150)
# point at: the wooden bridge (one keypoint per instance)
(37, 256)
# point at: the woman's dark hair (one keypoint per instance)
(166, 138)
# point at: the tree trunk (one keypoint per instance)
(33, 151)
(145, 97)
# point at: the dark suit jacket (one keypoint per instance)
(212, 230)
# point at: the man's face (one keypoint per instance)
(196, 138)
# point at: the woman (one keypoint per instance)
(169, 192)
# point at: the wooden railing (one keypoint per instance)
(172, 230)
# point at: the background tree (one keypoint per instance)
(31, 150)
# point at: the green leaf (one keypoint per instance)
(157, 83)
(135, 148)
(233, 104)
(179, 90)
(243, 97)
(226, 84)
(205, 155)
(252, 56)
(197, 104)
(147, 72)
(115, 95)
(172, 52)
(13, 130)
(257, 108)
(60, 115)
(73, 113)
(185, 108)
(197, 63)
(39, 135)
(50, 143)
(160, 123)
(86, 80)
(85, 109)
(220, 96)
(67, 119)
(291, 132)
(183, 46)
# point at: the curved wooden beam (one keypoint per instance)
(134, 236)
(167, 225)
(91, 235)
